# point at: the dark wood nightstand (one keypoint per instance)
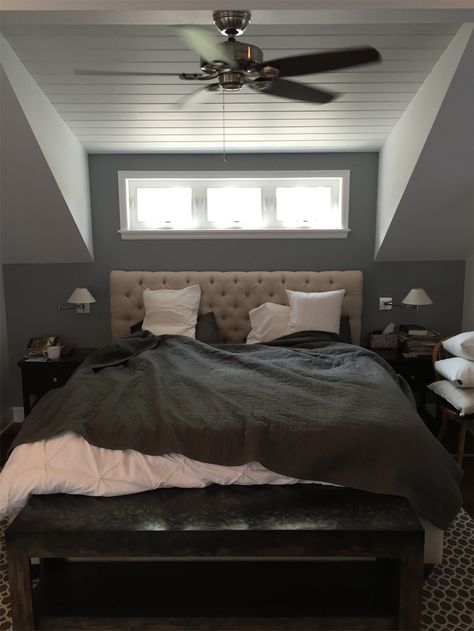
(417, 371)
(38, 377)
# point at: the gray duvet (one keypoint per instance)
(306, 406)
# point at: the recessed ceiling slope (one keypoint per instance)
(434, 218)
(37, 226)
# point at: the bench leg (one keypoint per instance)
(411, 587)
(19, 577)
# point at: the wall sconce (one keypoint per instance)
(414, 299)
(417, 298)
(81, 298)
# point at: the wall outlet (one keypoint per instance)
(385, 304)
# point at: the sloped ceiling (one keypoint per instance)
(434, 219)
(37, 226)
(136, 113)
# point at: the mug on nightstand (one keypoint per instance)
(52, 352)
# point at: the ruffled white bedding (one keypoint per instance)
(69, 464)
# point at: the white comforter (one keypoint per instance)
(69, 464)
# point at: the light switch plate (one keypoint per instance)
(385, 304)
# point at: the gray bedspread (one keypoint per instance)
(306, 406)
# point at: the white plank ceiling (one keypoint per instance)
(123, 114)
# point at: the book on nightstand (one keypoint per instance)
(416, 340)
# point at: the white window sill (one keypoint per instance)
(237, 233)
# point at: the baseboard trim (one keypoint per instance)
(18, 414)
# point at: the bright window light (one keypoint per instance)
(234, 206)
(169, 207)
(310, 206)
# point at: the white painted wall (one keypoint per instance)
(403, 147)
(468, 310)
(64, 154)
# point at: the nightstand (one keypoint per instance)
(417, 371)
(38, 377)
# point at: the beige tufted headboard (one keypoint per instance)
(231, 295)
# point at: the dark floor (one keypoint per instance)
(449, 441)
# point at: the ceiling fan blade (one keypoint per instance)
(322, 62)
(197, 96)
(122, 73)
(205, 44)
(291, 90)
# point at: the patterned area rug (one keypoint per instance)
(448, 593)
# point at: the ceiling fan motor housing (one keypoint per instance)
(231, 23)
(245, 56)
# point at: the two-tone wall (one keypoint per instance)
(33, 292)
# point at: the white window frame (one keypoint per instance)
(200, 180)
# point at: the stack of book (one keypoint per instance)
(416, 341)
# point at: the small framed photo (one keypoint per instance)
(37, 345)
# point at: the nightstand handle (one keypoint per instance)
(54, 380)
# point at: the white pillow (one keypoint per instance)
(461, 345)
(461, 398)
(268, 321)
(458, 370)
(315, 311)
(171, 311)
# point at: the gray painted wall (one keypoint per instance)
(34, 291)
(5, 414)
(468, 311)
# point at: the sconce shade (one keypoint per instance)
(81, 296)
(417, 297)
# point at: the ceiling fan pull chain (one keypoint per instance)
(224, 155)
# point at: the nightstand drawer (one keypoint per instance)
(39, 377)
(49, 376)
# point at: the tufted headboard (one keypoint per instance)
(231, 295)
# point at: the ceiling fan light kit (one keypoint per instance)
(236, 65)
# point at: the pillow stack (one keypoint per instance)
(457, 387)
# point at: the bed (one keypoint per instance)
(230, 295)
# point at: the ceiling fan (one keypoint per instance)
(236, 65)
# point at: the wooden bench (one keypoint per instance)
(216, 549)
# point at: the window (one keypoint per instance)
(249, 205)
